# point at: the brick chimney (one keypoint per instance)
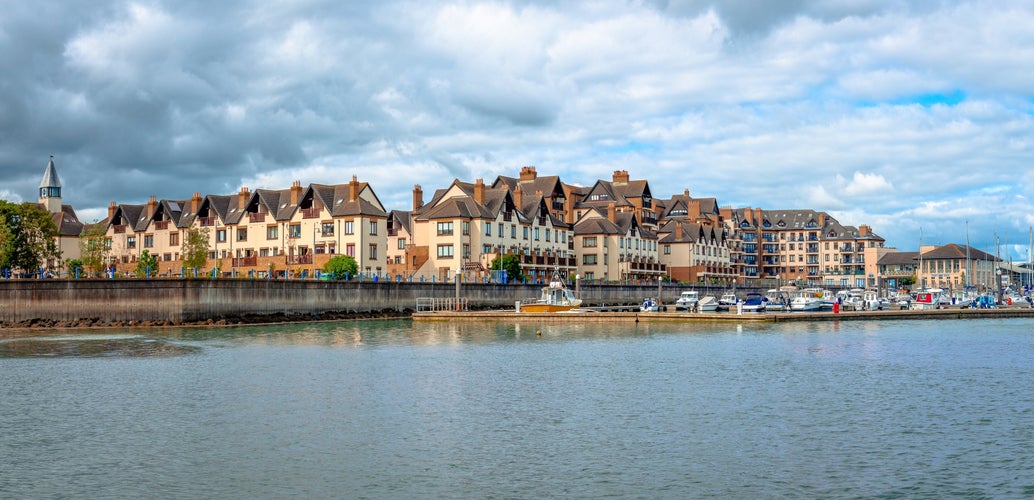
(418, 197)
(678, 231)
(479, 192)
(353, 189)
(242, 198)
(112, 208)
(518, 198)
(693, 209)
(822, 219)
(528, 174)
(687, 193)
(152, 206)
(621, 177)
(296, 192)
(611, 212)
(864, 230)
(195, 203)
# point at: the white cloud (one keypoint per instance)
(866, 184)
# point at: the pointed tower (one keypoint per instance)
(50, 189)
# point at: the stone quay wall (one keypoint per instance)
(199, 300)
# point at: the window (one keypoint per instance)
(271, 232)
(513, 231)
(486, 248)
(373, 251)
(589, 259)
(327, 228)
(444, 229)
(525, 232)
(466, 250)
(536, 234)
(174, 239)
(500, 233)
(466, 228)
(373, 228)
(131, 242)
(350, 250)
(402, 243)
(263, 252)
(488, 229)
(220, 236)
(148, 240)
(445, 251)
(294, 231)
(349, 227)
(547, 234)
(242, 234)
(667, 249)
(589, 241)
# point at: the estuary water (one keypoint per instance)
(397, 409)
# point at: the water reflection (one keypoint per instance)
(87, 345)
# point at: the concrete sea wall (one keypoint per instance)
(183, 301)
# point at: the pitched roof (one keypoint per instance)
(954, 251)
(898, 259)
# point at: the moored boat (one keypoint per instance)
(728, 301)
(556, 297)
(707, 304)
(808, 299)
(687, 301)
(755, 302)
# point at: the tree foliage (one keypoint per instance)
(340, 266)
(511, 263)
(94, 248)
(195, 248)
(147, 263)
(74, 265)
(27, 235)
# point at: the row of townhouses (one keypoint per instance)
(613, 230)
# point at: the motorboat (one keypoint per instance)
(930, 298)
(728, 301)
(850, 300)
(687, 301)
(755, 302)
(808, 299)
(650, 304)
(556, 297)
(871, 301)
(776, 300)
(961, 299)
(707, 304)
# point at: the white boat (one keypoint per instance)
(850, 300)
(871, 301)
(961, 299)
(808, 299)
(556, 297)
(728, 301)
(687, 301)
(776, 300)
(707, 304)
(650, 304)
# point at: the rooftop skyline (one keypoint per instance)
(907, 116)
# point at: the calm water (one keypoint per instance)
(396, 409)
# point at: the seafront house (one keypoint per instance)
(612, 245)
(897, 270)
(266, 233)
(695, 252)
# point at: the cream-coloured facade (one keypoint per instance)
(947, 267)
(278, 233)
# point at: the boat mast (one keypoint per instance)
(920, 273)
(965, 281)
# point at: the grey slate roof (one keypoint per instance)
(50, 178)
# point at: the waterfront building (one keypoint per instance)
(896, 270)
(946, 267)
(612, 245)
(67, 222)
(275, 233)
(693, 240)
(467, 226)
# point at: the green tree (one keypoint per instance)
(74, 265)
(511, 263)
(146, 262)
(27, 237)
(340, 266)
(195, 248)
(94, 248)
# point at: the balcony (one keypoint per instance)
(120, 228)
(161, 225)
(207, 221)
(300, 259)
(557, 205)
(508, 216)
(310, 213)
(256, 217)
(245, 261)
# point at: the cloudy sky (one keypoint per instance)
(911, 116)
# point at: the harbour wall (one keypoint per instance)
(185, 301)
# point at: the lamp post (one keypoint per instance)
(315, 228)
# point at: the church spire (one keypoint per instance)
(50, 188)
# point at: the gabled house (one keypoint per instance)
(695, 252)
(612, 245)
